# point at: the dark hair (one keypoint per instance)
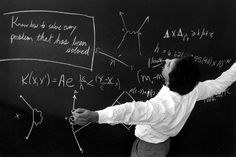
(184, 76)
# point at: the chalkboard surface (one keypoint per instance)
(60, 55)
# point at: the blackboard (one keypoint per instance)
(60, 55)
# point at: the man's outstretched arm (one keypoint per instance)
(209, 88)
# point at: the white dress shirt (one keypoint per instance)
(164, 115)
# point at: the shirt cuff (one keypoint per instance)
(102, 116)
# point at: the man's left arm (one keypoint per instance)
(212, 87)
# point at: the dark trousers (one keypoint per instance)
(144, 149)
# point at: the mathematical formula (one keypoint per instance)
(72, 42)
(64, 81)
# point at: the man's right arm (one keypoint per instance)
(209, 88)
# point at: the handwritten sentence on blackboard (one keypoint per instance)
(53, 37)
(17, 22)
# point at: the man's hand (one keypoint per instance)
(84, 116)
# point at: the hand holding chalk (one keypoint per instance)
(83, 116)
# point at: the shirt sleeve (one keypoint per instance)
(127, 113)
(209, 88)
(133, 113)
(149, 112)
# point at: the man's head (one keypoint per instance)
(181, 75)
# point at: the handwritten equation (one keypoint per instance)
(71, 42)
(186, 36)
(206, 60)
(64, 81)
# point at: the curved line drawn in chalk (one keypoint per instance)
(72, 122)
(125, 96)
(34, 110)
(131, 32)
(46, 11)
(43, 60)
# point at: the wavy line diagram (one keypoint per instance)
(132, 32)
(35, 112)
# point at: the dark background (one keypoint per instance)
(210, 130)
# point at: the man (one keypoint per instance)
(164, 115)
